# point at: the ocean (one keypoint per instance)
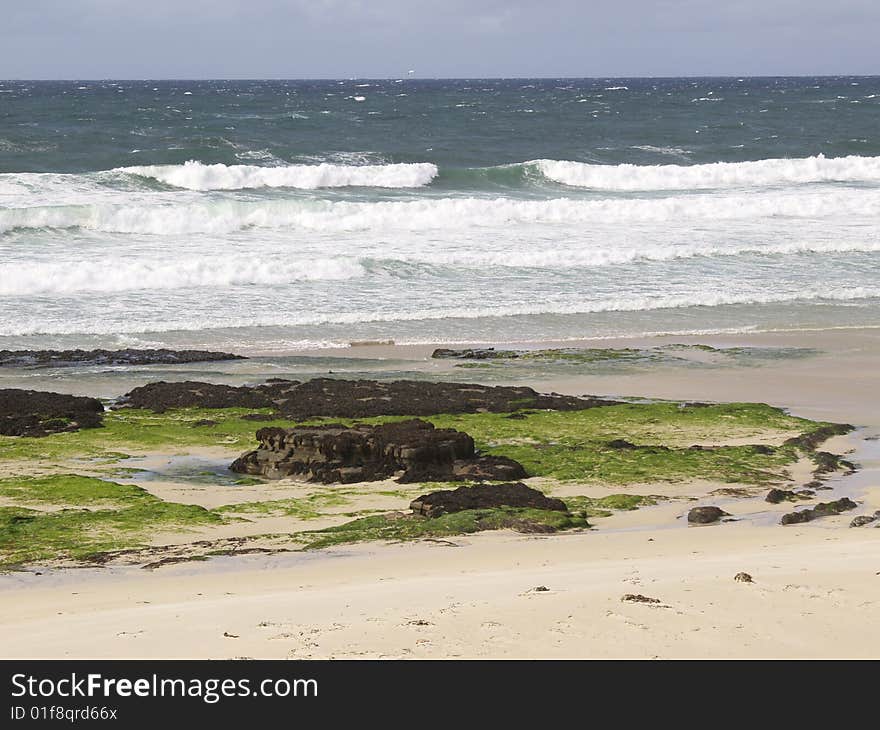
(268, 216)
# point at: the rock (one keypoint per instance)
(810, 441)
(337, 453)
(37, 413)
(258, 417)
(638, 598)
(328, 397)
(204, 422)
(485, 353)
(743, 578)
(763, 449)
(366, 398)
(622, 444)
(706, 515)
(775, 496)
(484, 496)
(161, 396)
(823, 509)
(489, 468)
(69, 358)
(862, 520)
(826, 462)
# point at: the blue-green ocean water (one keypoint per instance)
(273, 215)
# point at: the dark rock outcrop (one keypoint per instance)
(706, 515)
(484, 496)
(365, 398)
(337, 453)
(823, 509)
(477, 353)
(354, 398)
(775, 496)
(811, 441)
(161, 396)
(743, 578)
(36, 413)
(68, 358)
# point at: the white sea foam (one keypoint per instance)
(225, 216)
(565, 258)
(194, 175)
(626, 303)
(112, 274)
(117, 275)
(714, 175)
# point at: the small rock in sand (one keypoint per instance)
(743, 578)
(638, 598)
(862, 520)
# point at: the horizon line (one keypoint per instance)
(444, 78)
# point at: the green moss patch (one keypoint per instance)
(579, 445)
(69, 490)
(28, 536)
(302, 508)
(136, 430)
(604, 506)
(404, 527)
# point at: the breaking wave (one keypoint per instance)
(194, 175)
(759, 173)
(225, 216)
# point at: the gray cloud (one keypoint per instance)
(379, 38)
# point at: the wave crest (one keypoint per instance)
(195, 175)
(759, 173)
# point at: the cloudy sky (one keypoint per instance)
(435, 38)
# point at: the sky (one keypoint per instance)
(131, 39)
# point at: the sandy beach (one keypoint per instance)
(815, 587)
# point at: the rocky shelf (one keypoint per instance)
(328, 397)
(71, 358)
